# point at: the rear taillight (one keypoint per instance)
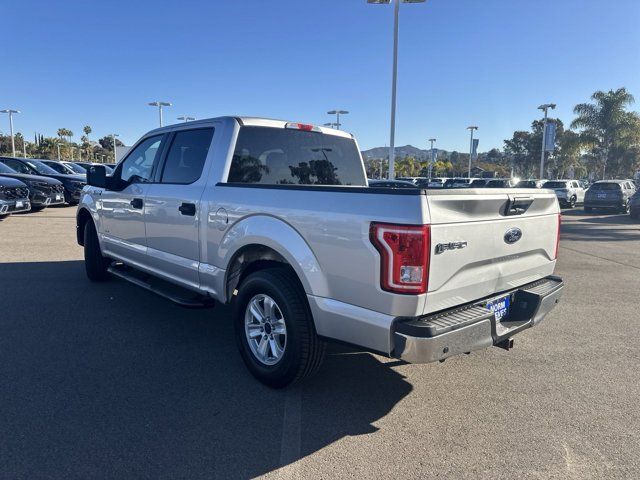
(404, 254)
(558, 236)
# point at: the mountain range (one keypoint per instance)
(407, 150)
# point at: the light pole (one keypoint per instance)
(113, 137)
(431, 160)
(186, 118)
(13, 142)
(160, 105)
(337, 113)
(24, 147)
(330, 124)
(394, 76)
(58, 145)
(545, 108)
(471, 128)
(72, 149)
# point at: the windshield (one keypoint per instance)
(5, 169)
(605, 187)
(555, 185)
(295, 157)
(76, 168)
(41, 168)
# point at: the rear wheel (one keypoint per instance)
(274, 329)
(572, 202)
(626, 208)
(95, 264)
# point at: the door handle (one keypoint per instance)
(188, 209)
(137, 203)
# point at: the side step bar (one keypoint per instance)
(178, 295)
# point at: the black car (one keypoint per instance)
(59, 167)
(14, 197)
(43, 191)
(610, 195)
(73, 184)
(634, 205)
(88, 165)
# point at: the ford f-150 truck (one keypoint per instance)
(278, 219)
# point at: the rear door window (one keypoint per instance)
(186, 156)
(279, 156)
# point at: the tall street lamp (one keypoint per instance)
(471, 128)
(113, 137)
(186, 118)
(545, 108)
(160, 105)
(58, 145)
(394, 76)
(431, 160)
(337, 113)
(330, 124)
(13, 142)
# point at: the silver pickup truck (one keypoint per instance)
(278, 219)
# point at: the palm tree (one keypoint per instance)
(87, 130)
(607, 126)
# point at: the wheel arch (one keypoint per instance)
(262, 242)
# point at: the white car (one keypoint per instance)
(569, 192)
(277, 218)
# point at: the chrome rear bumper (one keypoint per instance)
(474, 327)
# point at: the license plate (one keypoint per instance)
(19, 204)
(602, 195)
(58, 197)
(499, 307)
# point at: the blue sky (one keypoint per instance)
(489, 63)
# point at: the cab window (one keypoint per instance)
(138, 166)
(186, 156)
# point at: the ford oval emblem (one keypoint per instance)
(513, 235)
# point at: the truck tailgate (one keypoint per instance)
(474, 244)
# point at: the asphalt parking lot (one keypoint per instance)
(109, 381)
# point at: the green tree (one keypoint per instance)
(610, 129)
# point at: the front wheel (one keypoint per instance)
(274, 329)
(95, 264)
(572, 202)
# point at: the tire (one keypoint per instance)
(625, 208)
(572, 202)
(94, 263)
(2, 217)
(288, 357)
(588, 209)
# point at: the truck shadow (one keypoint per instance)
(107, 380)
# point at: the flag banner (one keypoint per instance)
(550, 137)
(434, 154)
(476, 141)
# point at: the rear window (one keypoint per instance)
(278, 156)
(555, 185)
(605, 186)
(526, 184)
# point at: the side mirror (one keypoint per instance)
(97, 176)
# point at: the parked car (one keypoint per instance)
(43, 191)
(433, 183)
(457, 183)
(73, 184)
(276, 217)
(610, 195)
(87, 165)
(76, 167)
(14, 197)
(634, 205)
(478, 183)
(390, 184)
(569, 192)
(59, 167)
(413, 180)
(500, 183)
(530, 183)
